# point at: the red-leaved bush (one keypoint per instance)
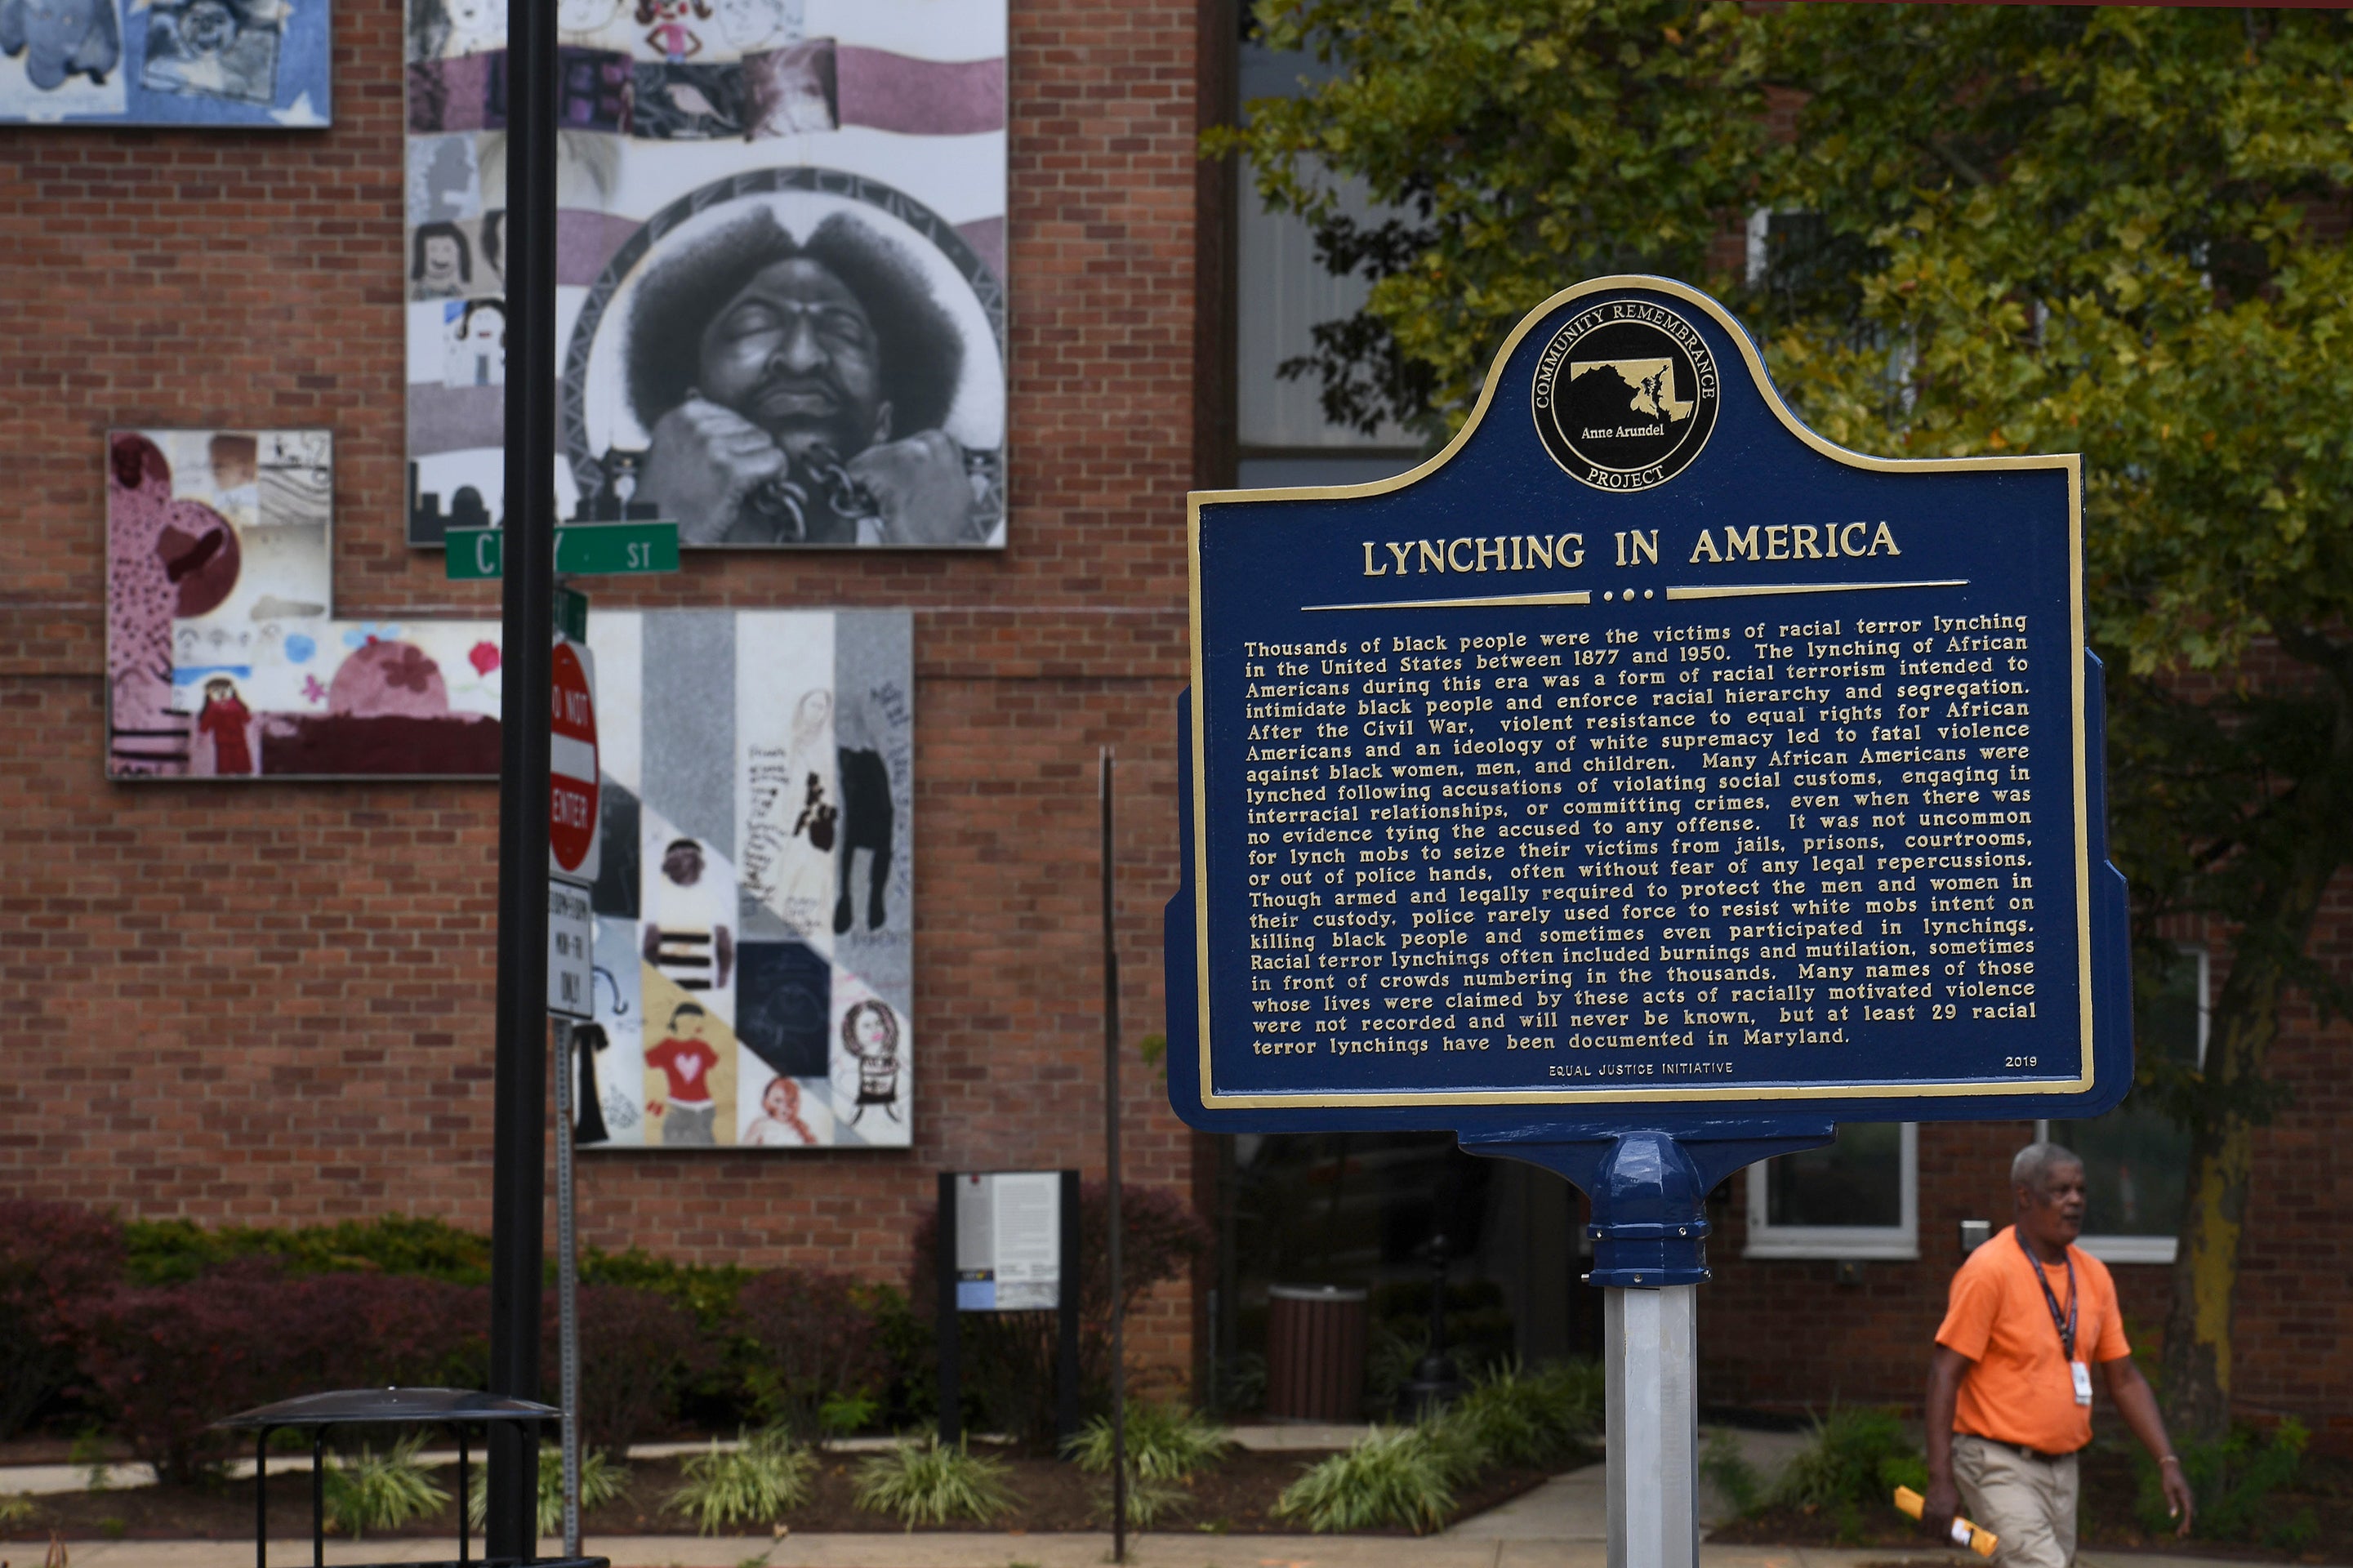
(53, 1257)
(812, 1336)
(637, 1350)
(166, 1363)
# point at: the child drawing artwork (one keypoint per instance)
(869, 1033)
(226, 722)
(780, 1124)
(684, 1058)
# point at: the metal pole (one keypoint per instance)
(567, 1287)
(518, 1182)
(950, 1320)
(1651, 1353)
(1111, 1151)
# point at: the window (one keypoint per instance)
(1283, 294)
(1857, 1196)
(2135, 1162)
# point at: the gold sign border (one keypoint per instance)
(2071, 463)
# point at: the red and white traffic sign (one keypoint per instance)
(571, 767)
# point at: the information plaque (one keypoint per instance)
(1644, 754)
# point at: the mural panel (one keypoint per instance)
(755, 963)
(252, 63)
(780, 254)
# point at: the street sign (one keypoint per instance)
(582, 550)
(1645, 755)
(572, 614)
(571, 951)
(572, 777)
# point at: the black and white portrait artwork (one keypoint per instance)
(795, 367)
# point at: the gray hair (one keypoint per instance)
(2031, 1165)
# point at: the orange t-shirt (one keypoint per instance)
(2020, 1390)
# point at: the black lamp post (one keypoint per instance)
(1437, 1381)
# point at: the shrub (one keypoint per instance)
(167, 1361)
(1397, 1475)
(1479, 1329)
(709, 1290)
(380, 1491)
(1164, 1443)
(812, 1342)
(373, 1330)
(1010, 1357)
(174, 1251)
(52, 1257)
(637, 1348)
(922, 1481)
(1857, 1457)
(766, 1477)
(1515, 1417)
(1723, 1462)
(602, 1478)
(2233, 1480)
(1148, 1501)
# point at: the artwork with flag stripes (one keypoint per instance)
(780, 300)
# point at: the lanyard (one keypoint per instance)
(2065, 1325)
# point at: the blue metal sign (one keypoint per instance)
(1644, 760)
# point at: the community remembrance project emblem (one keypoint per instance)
(1625, 396)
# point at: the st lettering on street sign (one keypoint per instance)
(572, 764)
(1644, 758)
(582, 550)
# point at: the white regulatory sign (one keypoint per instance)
(571, 950)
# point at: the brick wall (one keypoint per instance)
(273, 1005)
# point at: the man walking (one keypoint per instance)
(2009, 1388)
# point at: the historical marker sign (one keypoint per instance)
(1645, 755)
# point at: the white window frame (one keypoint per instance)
(1898, 1241)
(2151, 1249)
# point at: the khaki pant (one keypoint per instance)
(2028, 1502)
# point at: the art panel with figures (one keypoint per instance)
(755, 915)
(258, 65)
(225, 659)
(780, 269)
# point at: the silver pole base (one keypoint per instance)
(1651, 1350)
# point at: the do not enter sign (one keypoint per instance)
(571, 767)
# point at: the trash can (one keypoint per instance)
(1315, 1352)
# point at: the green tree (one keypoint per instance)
(2113, 231)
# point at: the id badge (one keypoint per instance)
(2082, 1372)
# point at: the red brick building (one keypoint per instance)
(271, 1005)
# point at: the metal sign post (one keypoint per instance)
(1112, 1164)
(519, 1073)
(567, 1285)
(1639, 788)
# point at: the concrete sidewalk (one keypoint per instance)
(1001, 1549)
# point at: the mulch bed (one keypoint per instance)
(2107, 1522)
(1235, 1497)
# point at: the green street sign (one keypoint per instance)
(582, 550)
(572, 613)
